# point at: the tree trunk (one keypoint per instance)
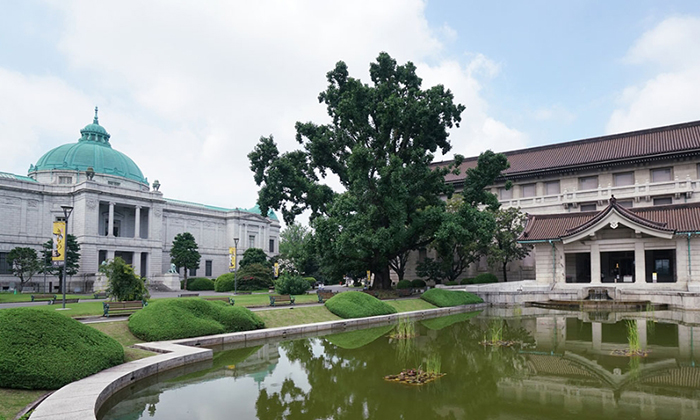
(382, 279)
(185, 268)
(505, 276)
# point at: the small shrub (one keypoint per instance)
(255, 277)
(443, 298)
(311, 281)
(291, 285)
(485, 278)
(358, 305)
(225, 282)
(404, 284)
(451, 283)
(170, 319)
(254, 256)
(46, 350)
(124, 284)
(200, 283)
(467, 280)
(418, 284)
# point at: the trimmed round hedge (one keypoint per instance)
(170, 319)
(225, 282)
(358, 305)
(46, 350)
(200, 283)
(418, 284)
(443, 298)
(404, 284)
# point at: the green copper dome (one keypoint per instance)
(92, 150)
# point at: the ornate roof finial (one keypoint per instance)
(94, 120)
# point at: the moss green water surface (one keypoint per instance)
(521, 364)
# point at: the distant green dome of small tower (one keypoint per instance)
(92, 150)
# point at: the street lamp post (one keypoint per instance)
(67, 210)
(235, 266)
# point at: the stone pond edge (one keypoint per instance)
(82, 399)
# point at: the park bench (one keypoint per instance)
(244, 293)
(324, 295)
(404, 292)
(281, 298)
(126, 307)
(228, 299)
(59, 300)
(188, 295)
(100, 295)
(43, 297)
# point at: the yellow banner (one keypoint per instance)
(277, 269)
(58, 253)
(232, 258)
(369, 277)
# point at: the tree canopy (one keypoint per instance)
(254, 256)
(505, 248)
(379, 146)
(124, 284)
(25, 263)
(184, 252)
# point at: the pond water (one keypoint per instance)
(544, 365)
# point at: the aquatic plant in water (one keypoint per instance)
(635, 348)
(405, 329)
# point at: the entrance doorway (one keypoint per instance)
(617, 267)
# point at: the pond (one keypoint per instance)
(499, 364)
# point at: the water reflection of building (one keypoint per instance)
(572, 367)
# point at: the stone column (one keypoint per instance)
(640, 275)
(595, 263)
(597, 329)
(136, 262)
(110, 222)
(110, 255)
(137, 223)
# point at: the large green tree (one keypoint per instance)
(72, 259)
(505, 248)
(379, 146)
(25, 263)
(254, 256)
(184, 253)
(124, 284)
(466, 231)
(296, 249)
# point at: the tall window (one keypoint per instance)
(4, 264)
(193, 272)
(661, 175)
(623, 178)
(528, 190)
(588, 182)
(207, 268)
(551, 188)
(272, 245)
(505, 194)
(251, 241)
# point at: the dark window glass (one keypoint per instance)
(4, 264)
(551, 188)
(272, 245)
(193, 272)
(623, 178)
(626, 203)
(662, 201)
(207, 268)
(588, 207)
(505, 194)
(661, 175)
(588, 183)
(528, 190)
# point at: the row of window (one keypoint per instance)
(620, 179)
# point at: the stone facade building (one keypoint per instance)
(618, 209)
(116, 213)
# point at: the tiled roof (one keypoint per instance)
(672, 139)
(676, 218)
(8, 175)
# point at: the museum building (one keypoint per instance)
(116, 213)
(619, 209)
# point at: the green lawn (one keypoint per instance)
(12, 401)
(27, 297)
(407, 305)
(297, 316)
(119, 330)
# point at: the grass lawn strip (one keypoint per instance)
(119, 330)
(27, 297)
(12, 401)
(296, 316)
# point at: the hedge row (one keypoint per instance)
(170, 319)
(358, 305)
(46, 350)
(443, 298)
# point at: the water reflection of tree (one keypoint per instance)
(348, 383)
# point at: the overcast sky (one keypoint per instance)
(186, 88)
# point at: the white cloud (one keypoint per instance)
(554, 112)
(673, 94)
(186, 89)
